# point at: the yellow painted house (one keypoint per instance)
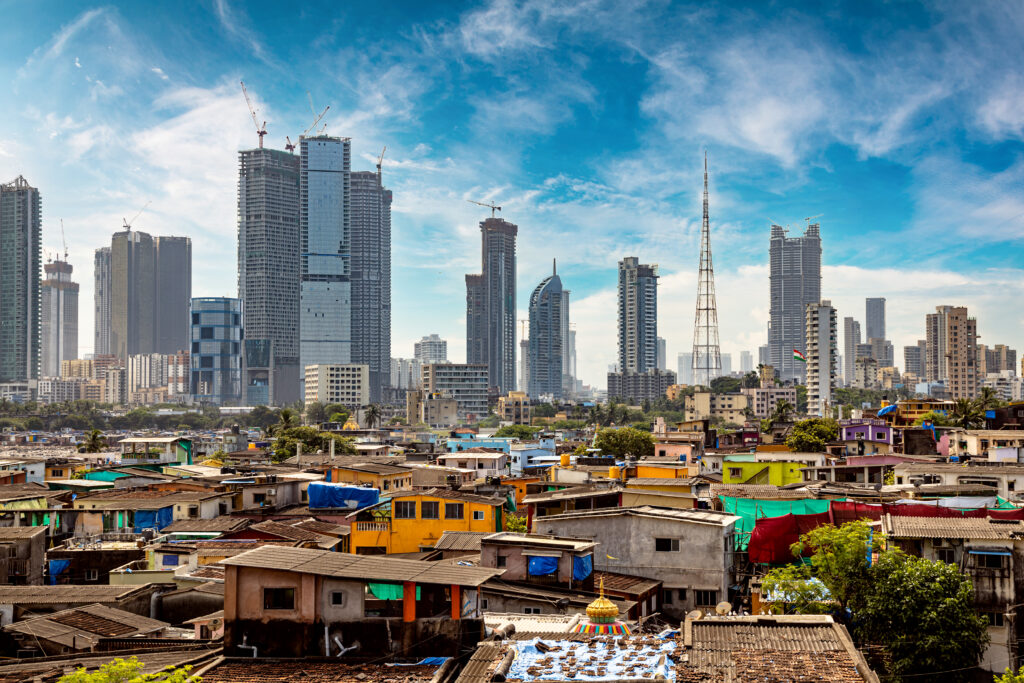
(776, 473)
(410, 522)
(384, 478)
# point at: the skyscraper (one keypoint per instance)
(685, 362)
(662, 362)
(149, 291)
(568, 350)
(20, 250)
(795, 283)
(851, 338)
(961, 354)
(913, 359)
(59, 318)
(325, 219)
(491, 305)
(101, 295)
(874, 316)
(820, 332)
(935, 366)
(216, 358)
(726, 365)
(746, 362)
(371, 278)
(707, 360)
(431, 349)
(638, 315)
(268, 279)
(547, 344)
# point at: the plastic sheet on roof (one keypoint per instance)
(656, 659)
(963, 502)
(582, 567)
(749, 510)
(543, 566)
(326, 495)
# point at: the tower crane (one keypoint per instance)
(313, 110)
(64, 240)
(380, 159)
(289, 145)
(260, 130)
(492, 207)
(128, 224)
(811, 218)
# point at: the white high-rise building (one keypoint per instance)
(431, 349)
(746, 362)
(820, 339)
(58, 318)
(685, 368)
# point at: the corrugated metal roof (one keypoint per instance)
(82, 627)
(65, 593)
(360, 567)
(982, 528)
(682, 515)
(222, 523)
(19, 532)
(461, 540)
(52, 668)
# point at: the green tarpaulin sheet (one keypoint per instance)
(389, 591)
(750, 509)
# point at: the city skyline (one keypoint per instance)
(100, 137)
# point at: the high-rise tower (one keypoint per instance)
(59, 328)
(795, 283)
(20, 251)
(101, 294)
(638, 316)
(491, 305)
(707, 357)
(547, 343)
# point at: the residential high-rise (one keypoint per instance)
(726, 368)
(662, 362)
(431, 349)
(546, 341)
(568, 350)
(707, 361)
(851, 338)
(466, 383)
(268, 279)
(346, 383)
(524, 358)
(935, 367)
(763, 357)
(638, 315)
(216, 356)
(795, 283)
(999, 358)
(874, 317)
(58, 318)
(881, 350)
(405, 373)
(746, 362)
(913, 359)
(491, 305)
(685, 363)
(371, 278)
(101, 295)
(571, 356)
(961, 354)
(20, 251)
(821, 343)
(325, 220)
(149, 290)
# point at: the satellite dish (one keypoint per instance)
(723, 608)
(695, 615)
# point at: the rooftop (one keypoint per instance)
(360, 567)
(682, 515)
(231, 670)
(541, 540)
(371, 468)
(11, 533)
(461, 540)
(82, 627)
(972, 528)
(222, 524)
(64, 593)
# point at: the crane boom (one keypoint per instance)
(492, 207)
(260, 130)
(128, 224)
(64, 240)
(811, 218)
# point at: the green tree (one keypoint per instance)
(522, 432)
(751, 380)
(129, 671)
(544, 410)
(316, 413)
(838, 558)
(625, 441)
(1010, 677)
(94, 442)
(286, 419)
(937, 419)
(782, 412)
(810, 436)
(967, 414)
(312, 440)
(726, 385)
(372, 415)
(341, 417)
(988, 399)
(516, 523)
(801, 399)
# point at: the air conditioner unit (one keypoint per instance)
(271, 492)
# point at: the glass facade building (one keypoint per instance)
(216, 358)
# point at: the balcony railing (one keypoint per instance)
(372, 526)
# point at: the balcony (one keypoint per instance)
(373, 526)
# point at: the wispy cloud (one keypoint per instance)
(235, 26)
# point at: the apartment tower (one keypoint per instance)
(491, 305)
(638, 315)
(101, 296)
(821, 345)
(20, 252)
(547, 340)
(795, 283)
(59, 318)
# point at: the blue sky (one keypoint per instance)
(903, 124)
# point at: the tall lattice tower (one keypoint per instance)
(707, 358)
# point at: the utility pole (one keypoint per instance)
(707, 357)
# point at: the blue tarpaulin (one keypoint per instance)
(57, 568)
(582, 567)
(543, 566)
(153, 519)
(886, 410)
(327, 495)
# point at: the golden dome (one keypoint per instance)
(350, 424)
(602, 609)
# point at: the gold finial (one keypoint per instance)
(602, 610)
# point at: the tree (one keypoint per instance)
(1010, 677)
(516, 523)
(751, 380)
(967, 414)
(726, 385)
(316, 413)
(922, 613)
(801, 399)
(128, 671)
(625, 441)
(521, 432)
(838, 557)
(811, 436)
(782, 412)
(340, 417)
(372, 415)
(988, 399)
(312, 440)
(544, 410)
(286, 419)
(94, 442)
(937, 419)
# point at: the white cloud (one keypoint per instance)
(1002, 114)
(235, 28)
(56, 45)
(160, 72)
(77, 63)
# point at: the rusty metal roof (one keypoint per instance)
(222, 523)
(65, 593)
(82, 627)
(231, 670)
(980, 528)
(360, 567)
(461, 540)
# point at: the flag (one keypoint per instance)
(610, 557)
(799, 356)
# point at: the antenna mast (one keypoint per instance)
(707, 357)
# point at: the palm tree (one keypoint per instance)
(372, 415)
(286, 420)
(988, 398)
(966, 413)
(94, 442)
(782, 411)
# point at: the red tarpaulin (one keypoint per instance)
(772, 536)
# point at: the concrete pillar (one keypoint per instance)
(408, 601)
(456, 602)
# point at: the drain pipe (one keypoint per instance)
(327, 643)
(243, 646)
(344, 649)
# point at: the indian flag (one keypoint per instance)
(799, 356)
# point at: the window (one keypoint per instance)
(880, 436)
(681, 594)
(735, 472)
(92, 575)
(995, 618)
(483, 603)
(169, 561)
(278, 598)
(666, 596)
(337, 598)
(990, 561)
(57, 473)
(666, 545)
(531, 610)
(222, 508)
(502, 561)
(1010, 484)
(405, 509)
(259, 498)
(479, 515)
(706, 598)
(206, 333)
(453, 510)
(428, 510)
(945, 555)
(193, 511)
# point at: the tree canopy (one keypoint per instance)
(129, 671)
(523, 432)
(624, 442)
(811, 436)
(312, 440)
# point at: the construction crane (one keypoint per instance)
(260, 130)
(288, 145)
(64, 240)
(128, 224)
(380, 159)
(492, 207)
(313, 110)
(811, 218)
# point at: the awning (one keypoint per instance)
(1007, 553)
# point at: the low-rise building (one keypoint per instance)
(80, 629)
(22, 553)
(345, 383)
(384, 478)
(704, 405)
(514, 408)
(540, 559)
(866, 437)
(466, 383)
(485, 462)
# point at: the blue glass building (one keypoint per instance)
(216, 352)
